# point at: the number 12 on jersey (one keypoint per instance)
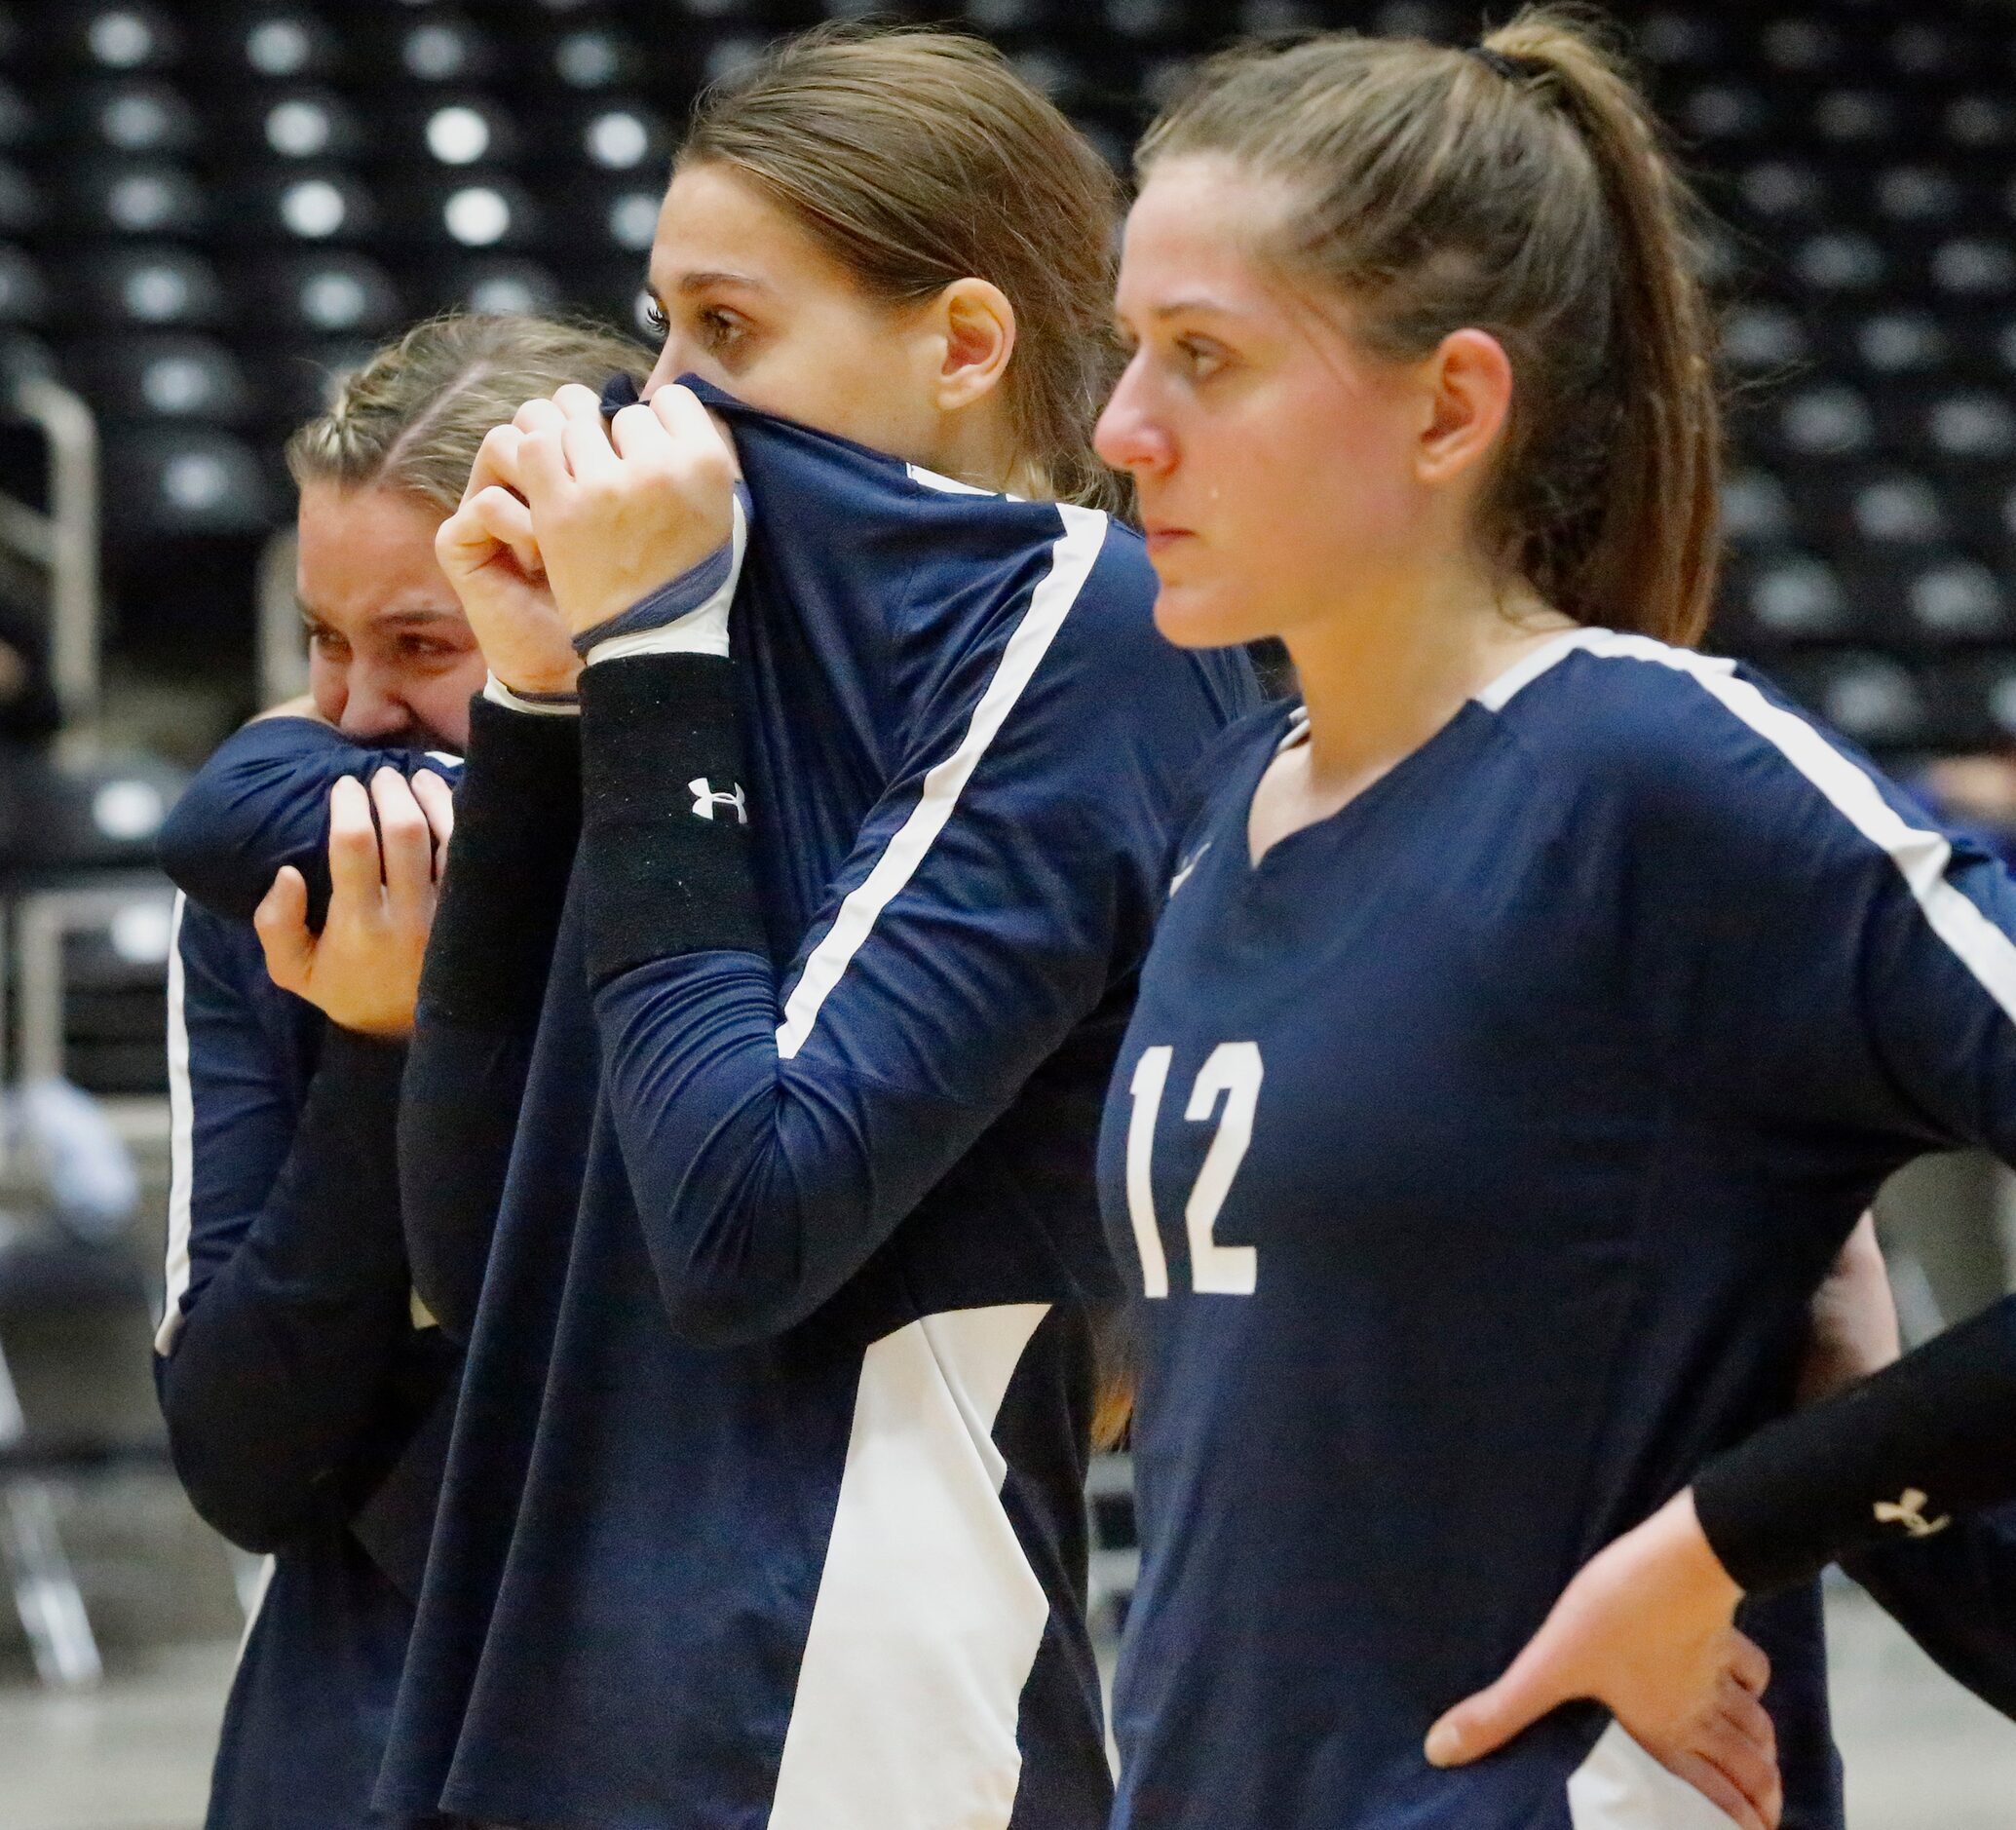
(1233, 1070)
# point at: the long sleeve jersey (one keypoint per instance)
(1475, 1156)
(764, 1503)
(306, 1411)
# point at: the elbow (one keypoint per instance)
(719, 1314)
(185, 845)
(235, 1497)
(251, 1529)
(449, 1301)
(239, 1477)
(202, 855)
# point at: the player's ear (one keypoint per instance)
(1467, 384)
(976, 326)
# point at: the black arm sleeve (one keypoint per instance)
(283, 1394)
(665, 875)
(518, 822)
(1892, 1459)
(1954, 1594)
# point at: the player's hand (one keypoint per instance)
(620, 508)
(363, 970)
(1647, 1630)
(491, 557)
(1854, 1320)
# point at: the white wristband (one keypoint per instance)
(701, 630)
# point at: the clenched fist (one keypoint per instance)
(620, 508)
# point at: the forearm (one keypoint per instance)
(1954, 1594)
(686, 997)
(1931, 1436)
(759, 1188)
(518, 818)
(261, 802)
(274, 1393)
(458, 1117)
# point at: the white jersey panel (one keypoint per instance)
(1622, 1787)
(928, 1618)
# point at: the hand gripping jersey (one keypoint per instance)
(306, 1412)
(764, 1505)
(1476, 1154)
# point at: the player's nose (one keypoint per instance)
(373, 708)
(1129, 437)
(674, 360)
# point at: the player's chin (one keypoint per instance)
(1204, 613)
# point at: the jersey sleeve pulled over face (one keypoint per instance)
(263, 801)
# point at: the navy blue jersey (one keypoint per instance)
(765, 1504)
(1477, 1153)
(306, 1409)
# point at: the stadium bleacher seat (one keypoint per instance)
(204, 208)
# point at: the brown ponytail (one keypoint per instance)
(1519, 188)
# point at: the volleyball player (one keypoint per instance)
(1534, 1010)
(765, 1500)
(307, 1403)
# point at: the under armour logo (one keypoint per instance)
(1189, 864)
(1909, 1512)
(705, 800)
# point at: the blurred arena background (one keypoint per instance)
(208, 209)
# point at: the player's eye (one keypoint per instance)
(719, 327)
(1201, 357)
(655, 320)
(420, 648)
(329, 643)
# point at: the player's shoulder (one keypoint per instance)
(1695, 755)
(1113, 615)
(1077, 581)
(1654, 718)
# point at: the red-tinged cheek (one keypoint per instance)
(329, 686)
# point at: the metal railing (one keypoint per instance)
(282, 641)
(62, 540)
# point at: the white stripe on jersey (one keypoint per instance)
(1535, 663)
(181, 1127)
(1071, 558)
(928, 1618)
(1921, 857)
(943, 485)
(255, 1605)
(1622, 1787)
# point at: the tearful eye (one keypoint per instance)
(1201, 357)
(718, 327)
